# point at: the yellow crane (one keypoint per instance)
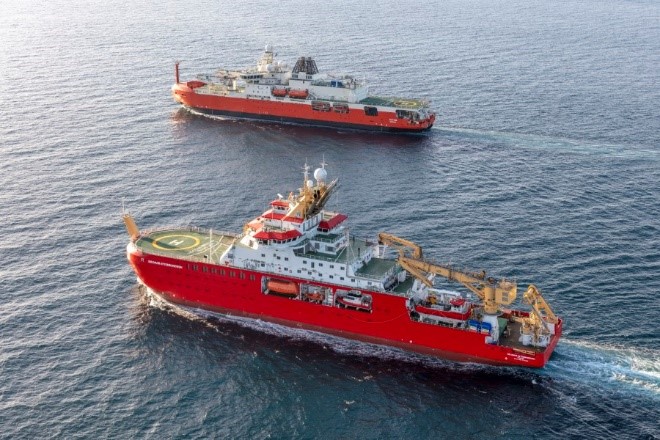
(541, 320)
(493, 292)
(401, 244)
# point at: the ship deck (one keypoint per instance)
(188, 243)
(376, 268)
(406, 103)
(355, 248)
(405, 286)
(510, 334)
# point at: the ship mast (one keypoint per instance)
(312, 198)
(266, 59)
(129, 222)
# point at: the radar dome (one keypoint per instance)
(310, 183)
(320, 174)
(269, 48)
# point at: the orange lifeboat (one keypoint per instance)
(279, 92)
(298, 94)
(195, 84)
(281, 287)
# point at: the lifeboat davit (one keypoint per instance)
(298, 94)
(287, 288)
(279, 92)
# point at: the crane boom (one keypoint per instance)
(493, 292)
(539, 306)
(401, 244)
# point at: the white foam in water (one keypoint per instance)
(603, 366)
(581, 361)
(556, 143)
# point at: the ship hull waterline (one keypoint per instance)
(241, 295)
(287, 111)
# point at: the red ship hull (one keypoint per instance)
(281, 110)
(233, 291)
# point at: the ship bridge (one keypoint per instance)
(297, 237)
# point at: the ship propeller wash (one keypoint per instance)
(275, 92)
(296, 264)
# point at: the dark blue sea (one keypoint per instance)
(544, 166)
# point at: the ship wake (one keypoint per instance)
(629, 370)
(604, 367)
(546, 143)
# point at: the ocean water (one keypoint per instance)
(544, 166)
